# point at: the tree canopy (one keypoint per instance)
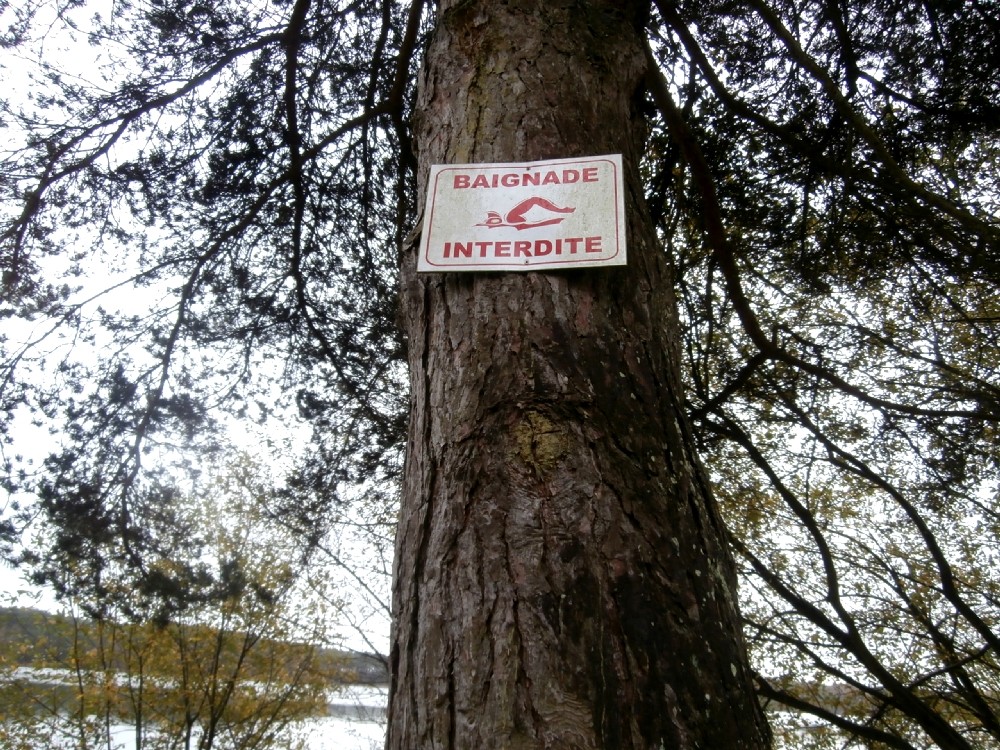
(203, 205)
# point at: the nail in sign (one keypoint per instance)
(530, 216)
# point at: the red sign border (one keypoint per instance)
(526, 266)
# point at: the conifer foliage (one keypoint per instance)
(203, 205)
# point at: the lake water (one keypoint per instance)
(356, 722)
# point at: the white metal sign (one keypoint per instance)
(564, 213)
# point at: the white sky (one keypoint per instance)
(69, 50)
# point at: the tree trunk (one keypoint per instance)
(562, 578)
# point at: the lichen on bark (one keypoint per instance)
(540, 441)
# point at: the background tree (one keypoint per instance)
(823, 176)
(236, 669)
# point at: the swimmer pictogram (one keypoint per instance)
(517, 216)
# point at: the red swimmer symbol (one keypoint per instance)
(517, 216)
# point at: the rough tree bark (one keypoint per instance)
(562, 579)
